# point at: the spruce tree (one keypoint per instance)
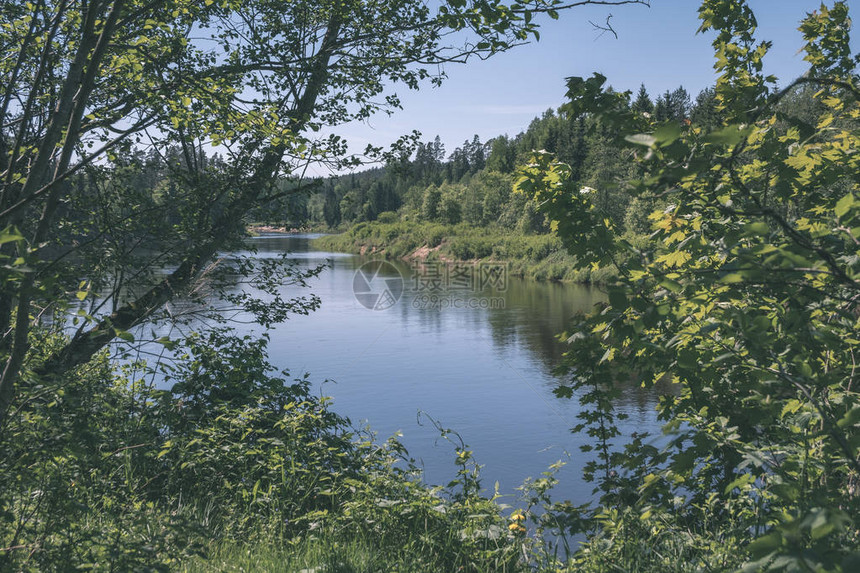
(643, 103)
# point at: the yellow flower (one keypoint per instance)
(517, 528)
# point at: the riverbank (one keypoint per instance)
(538, 257)
(254, 229)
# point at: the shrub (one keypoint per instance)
(103, 471)
(387, 217)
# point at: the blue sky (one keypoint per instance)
(657, 46)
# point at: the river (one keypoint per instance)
(476, 353)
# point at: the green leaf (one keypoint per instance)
(671, 285)
(641, 139)
(765, 544)
(667, 133)
(740, 482)
(758, 228)
(730, 135)
(851, 418)
(674, 259)
(844, 204)
(788, 492)
(10, 234)
(821, 525)
(167, 342)
(124, 334)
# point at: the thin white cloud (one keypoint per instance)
(530, 109)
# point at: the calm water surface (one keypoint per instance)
(486, 373)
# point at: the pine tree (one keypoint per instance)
(704, 112)
(643, 103)
(331, 208)
(679, 104)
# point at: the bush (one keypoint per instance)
(433, 235)
(540, 257)
(387, 217)
(103, 471)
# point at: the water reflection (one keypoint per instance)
(485, 372)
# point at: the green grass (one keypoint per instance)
(318, 556)
(338, 554)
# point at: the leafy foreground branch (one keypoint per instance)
(83, 83)
(746, 300)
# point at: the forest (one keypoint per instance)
(141, 430)
(474, 183)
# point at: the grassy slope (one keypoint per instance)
(539, 257)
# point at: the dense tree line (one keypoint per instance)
(473, 183)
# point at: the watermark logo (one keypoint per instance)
(444, 301)
(377, 285)
(435, 285)
(437, 276)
